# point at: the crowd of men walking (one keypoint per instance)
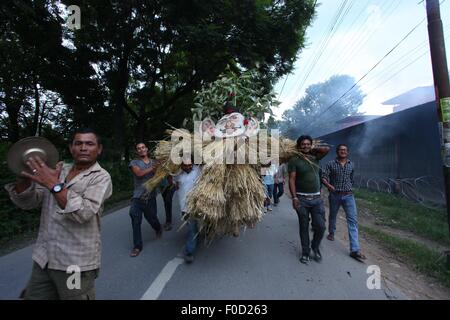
(71, 198)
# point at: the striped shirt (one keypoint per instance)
(339, 176)
(69, 236)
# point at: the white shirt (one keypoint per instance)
(186, 182)
(269, 173)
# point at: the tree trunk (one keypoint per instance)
(140, 126)
(119, 126)
(120, 104)
(13, 117)
(13, 105)
(41, 118)
(37, 103)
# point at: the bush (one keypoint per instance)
(120, 175)
(122, 182)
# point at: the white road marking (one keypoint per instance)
(161, 280)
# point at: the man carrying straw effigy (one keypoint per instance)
(229, 193)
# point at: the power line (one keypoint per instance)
(357, 39)
(401, 59)
(364, 33)
(344, 15)
(382, 73)
(390, 67)
(287, 76)
(385, 81)
(358, 16)
(390, 9)
(284, 83)
(365, 75)
(323, 43)
(403, 68)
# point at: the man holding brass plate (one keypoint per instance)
(66, 256)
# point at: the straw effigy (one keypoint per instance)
(226, 197)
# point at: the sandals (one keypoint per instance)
(358, 256)
(135, 252)
(168, 226)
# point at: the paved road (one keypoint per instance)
(260, 264)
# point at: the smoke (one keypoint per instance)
(379, 131)
(404, 145)
(373, 134)
(412, 98)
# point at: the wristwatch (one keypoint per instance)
(57, 188)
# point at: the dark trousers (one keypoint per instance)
(48, 284)
(316, 209)
(149, 209)
(278, 191)
(167, 195)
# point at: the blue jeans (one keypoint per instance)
(269, 193)
(149, 208)
(278, 191)
(349, 205)
(316, 209)
(192, 236)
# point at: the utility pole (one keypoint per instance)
(442, 91)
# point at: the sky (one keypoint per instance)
(364, 32)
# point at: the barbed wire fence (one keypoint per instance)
(428, 191)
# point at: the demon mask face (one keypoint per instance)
(230, 125)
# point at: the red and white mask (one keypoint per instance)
(230, 125)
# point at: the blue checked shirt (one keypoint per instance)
(340, 177)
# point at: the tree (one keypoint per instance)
(241, 89)
(36, 68)
(152, 56)
(134, 63)
(313, 115)
(272, 123)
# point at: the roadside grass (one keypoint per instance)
(396, 212)
(422, 259)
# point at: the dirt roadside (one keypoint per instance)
(416, 286)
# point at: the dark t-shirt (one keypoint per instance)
(138, 181)
(307, 178)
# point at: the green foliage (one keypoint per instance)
(132, 67)
(312, 114)
(400, 213)
(245, 91)
(423, 259)
(272, 123)
(135, 65)
(121, 176)
(37, 69)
